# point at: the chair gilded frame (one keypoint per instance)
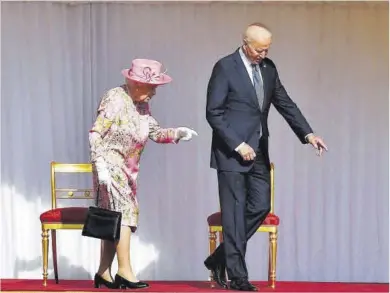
(53, 226)
(272, 230)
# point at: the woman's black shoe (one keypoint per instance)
(99, 282)
(122, 283)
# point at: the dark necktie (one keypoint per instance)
(258, 84)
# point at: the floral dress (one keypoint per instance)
(118, 137)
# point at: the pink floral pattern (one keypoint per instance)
(118, 136)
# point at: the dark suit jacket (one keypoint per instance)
(234, 114)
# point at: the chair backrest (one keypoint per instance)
(272, 187)
(69, 193)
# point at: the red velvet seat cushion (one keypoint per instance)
(215, 220)
(68, 215)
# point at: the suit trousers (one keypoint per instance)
(245, 201)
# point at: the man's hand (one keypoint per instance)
(317, 143)
(246, 152)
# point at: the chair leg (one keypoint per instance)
(54, 250)
(45, 253)
(273, 244)
(220, 237)
(212, 247)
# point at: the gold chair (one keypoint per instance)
(270, 225)
(62, 218)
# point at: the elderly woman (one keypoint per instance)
(117, 138)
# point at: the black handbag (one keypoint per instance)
(102, 224)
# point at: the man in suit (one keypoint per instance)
(241, 89)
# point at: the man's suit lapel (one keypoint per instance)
(242, 74)
(264, 74)
(246, 81)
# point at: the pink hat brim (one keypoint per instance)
(164, 78)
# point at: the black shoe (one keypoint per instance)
(242, 285)
(98, 282)
(218, 272)
(122, 283)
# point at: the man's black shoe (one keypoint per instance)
(218, 272)
(242, 285)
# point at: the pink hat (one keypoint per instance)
(146, 71)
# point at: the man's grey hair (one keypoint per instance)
(246, 38)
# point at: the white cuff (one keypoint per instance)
(237, 148)
(306, 136)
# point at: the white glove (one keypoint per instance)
(184, 133)
(102, 171)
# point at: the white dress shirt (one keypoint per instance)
(248, 65)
